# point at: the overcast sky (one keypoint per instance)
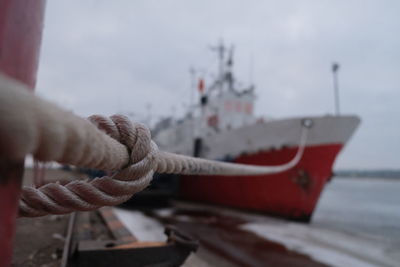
(106, 57)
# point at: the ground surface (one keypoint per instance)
(355, 224)
(222, 241)
(40, 241)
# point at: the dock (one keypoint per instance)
(226, 237)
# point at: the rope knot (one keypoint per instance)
(102, 191)
(135, 136)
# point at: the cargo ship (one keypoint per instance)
(222, 126)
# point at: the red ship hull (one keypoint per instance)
(291, 194)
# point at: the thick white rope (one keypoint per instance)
(30, 125)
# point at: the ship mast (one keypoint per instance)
(335, 69)
(229, 73)
(220, 49)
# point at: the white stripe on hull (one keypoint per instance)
(272, 134)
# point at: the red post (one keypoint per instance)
(21, 24)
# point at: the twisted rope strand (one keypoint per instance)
(30, 125)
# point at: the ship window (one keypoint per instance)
(228, 106)
(238, 107)
(248, 108)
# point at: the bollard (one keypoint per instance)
(21, 24)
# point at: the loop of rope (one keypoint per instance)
(55, 198)
(30, 125)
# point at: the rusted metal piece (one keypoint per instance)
(118, 230)
(121, 248)
(172, 253)
(179, 238)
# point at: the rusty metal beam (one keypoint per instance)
(86, 248)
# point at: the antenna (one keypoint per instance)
(192, 72)
(220, 49)
(230, 56)
(229, 74)
(335, 69)
(251, 69)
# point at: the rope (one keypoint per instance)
(30, 125)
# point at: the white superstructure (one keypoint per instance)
(223, 125)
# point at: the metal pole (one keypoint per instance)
(21, 24)
(10, 187)
(335, 69)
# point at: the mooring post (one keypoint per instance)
(21, 24)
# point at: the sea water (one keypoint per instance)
(356, 223)
(366, 206)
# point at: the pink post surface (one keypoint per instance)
(21, 24)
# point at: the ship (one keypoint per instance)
(222, 126)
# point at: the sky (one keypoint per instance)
(133, 57)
